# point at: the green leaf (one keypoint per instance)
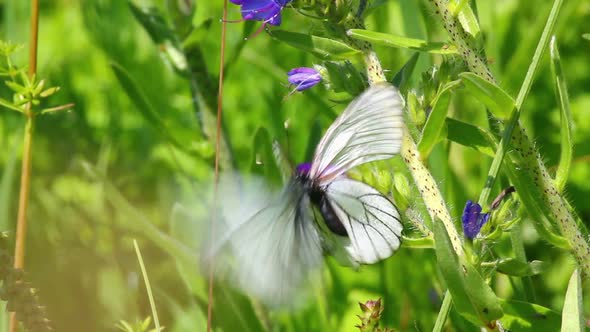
(473, 298)
(263, 160)
(436, 120)
(15, 87)
(515, 267)
(343, 76)
(586, 36)
(491, 95)
(323, 48)
(390, 40)
(572, 318)
(468, 20)
(10, 106)
(471, 136)
(565, 158)
(523, 316)
(421, 243)
(402, 78)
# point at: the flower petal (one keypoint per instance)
(303, 77)
(473, 220)
(260, 10)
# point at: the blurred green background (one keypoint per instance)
(105, 173)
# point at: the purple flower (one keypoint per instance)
(473, 219)
(303, 77)
(267, 11)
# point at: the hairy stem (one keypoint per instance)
(425, 182)
(526, 155)
(465, 44)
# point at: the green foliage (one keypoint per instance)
(134, 157)
(472, 297)
(138, 326)
(401, 42)
(323, 48)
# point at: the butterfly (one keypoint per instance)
(269, 242)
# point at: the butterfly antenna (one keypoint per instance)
(217, 148)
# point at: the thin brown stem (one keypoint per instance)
(21, 223)
(217, 148)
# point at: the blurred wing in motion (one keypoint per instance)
(371, 220)
(267, 251)
(369, 129)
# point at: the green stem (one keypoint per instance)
(21, 226)
(443, 312)
(462, 40)
(425, 182)
(148, 287)
(429, 191)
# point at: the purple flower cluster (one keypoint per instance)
(267, 11)
(473, 219)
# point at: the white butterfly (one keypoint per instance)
(274, 247)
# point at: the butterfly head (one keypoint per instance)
(303, 169)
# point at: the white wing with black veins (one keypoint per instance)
(371, 220)
(369, 129)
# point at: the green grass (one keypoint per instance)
(131, 158)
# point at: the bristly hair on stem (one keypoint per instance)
(217, 146)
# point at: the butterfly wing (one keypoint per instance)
(369, 129)
(372, 221)
(269, 251)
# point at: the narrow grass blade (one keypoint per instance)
(515, 112)
(390, 40)
(565, 158)
(147, 286)
(443, 313)
(140, 100)
(572, 318)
